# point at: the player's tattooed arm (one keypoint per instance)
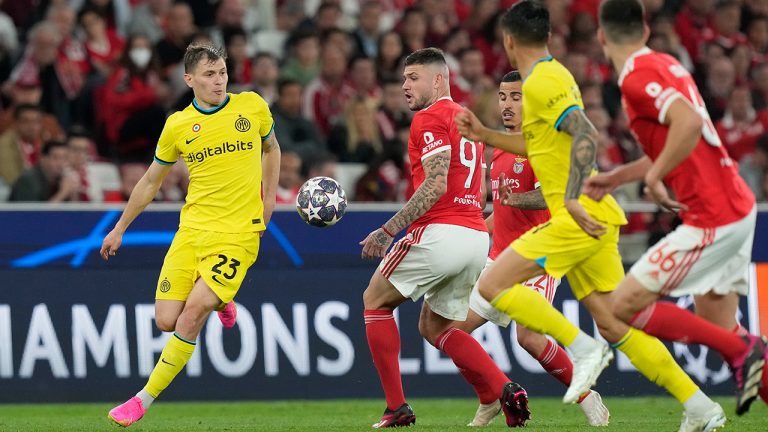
(583, 150)
(531, 200)
(583, 155)
(426, 195)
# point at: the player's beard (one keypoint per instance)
(420, 103)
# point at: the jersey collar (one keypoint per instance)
(629, 65)
(209, 111)
(442, 98)
(546, 58)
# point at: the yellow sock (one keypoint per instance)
(533, 311)
(172, 360)
(654, 360)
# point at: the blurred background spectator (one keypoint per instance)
(50, 179)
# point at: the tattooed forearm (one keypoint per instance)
(583, 150)
(426, 195)
(270, 143)
(531, 200)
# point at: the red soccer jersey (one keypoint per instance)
(433, 131)
(509, 223)
(707, 180)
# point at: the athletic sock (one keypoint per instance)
(384, 343)
(531, 310)
(484, 392)
(146, 398)
(654, 361)
(556, 362)
(667, 321)
(172, 360)
(467, 353)
(698, 402)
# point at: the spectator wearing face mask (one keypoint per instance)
(132, 124)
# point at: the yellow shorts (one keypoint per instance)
(564, 249)
(221, 259)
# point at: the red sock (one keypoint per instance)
(667, 321)
(484, 392)
(467, 353)
(384, 342)
(556, 362)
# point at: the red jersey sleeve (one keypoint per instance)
(649, 93)
(432, 135)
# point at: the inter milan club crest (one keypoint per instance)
(196, 127)
(165, 285)
(517, 167)
(242, 124)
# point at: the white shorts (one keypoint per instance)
(695, 261)
(545, 285)
(440, 262)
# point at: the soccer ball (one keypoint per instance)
(321, 202)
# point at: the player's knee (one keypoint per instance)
(165, 323)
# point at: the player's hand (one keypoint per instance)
(598, 186)
(505, 191)
(469, 126)
(658, 193)
(590, 226)
(111, 244)
(375, 245)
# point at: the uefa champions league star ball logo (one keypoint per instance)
(695, 359)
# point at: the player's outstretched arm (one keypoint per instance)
(270, 168)
(471, 128)
(143, 194)
(583, 156)
(426, 195)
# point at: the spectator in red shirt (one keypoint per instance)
(104, 46)
(741, 125)
(471, 82)
(757, 37)
(326, 96)
(726, 24)
(132, 124)
(691, 23)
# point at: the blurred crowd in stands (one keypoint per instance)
(86, 85)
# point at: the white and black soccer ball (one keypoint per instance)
(321, 202)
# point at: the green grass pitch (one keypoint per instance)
(443, 415)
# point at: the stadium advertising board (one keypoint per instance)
(73, 328)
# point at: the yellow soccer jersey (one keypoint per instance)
(222, 149)
(549, 94)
